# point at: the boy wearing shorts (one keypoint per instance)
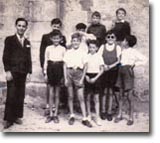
(53, 68)
(74, 74)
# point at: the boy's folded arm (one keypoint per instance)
(114, 64)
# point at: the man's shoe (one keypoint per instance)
(98, 121)
(87, 123)
(109, 117)
(130, 122)
(18, 121)
(117, 119)
(49, 119)
(103, 116)
(55, 119)
(7, 124)
(71, 121)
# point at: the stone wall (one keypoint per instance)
(137, 14)
(40, 12)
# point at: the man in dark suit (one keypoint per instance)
(45, 42)
(18, 67)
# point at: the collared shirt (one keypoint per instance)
(122, 21)
(94, 62)
(21, 39)
(74, 58)
(54, 53)
(131, 57)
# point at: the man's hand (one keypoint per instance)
(9, 76)
(45, 78)
(43, 71)
(28, 77)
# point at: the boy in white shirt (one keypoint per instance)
(53, 67)
(125, 82)
(95, 68)
(74, 74)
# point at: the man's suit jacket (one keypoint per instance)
(45, 42)
(17, 58)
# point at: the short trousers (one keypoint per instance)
(93, 87)
(109, 78)
(74, 76)
(55, 73)
(125, 78)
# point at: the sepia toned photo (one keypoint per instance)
(74, 66)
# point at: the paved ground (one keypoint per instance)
(34, 121)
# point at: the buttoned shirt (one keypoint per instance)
(21, 39)
(74, 58)
(131, 57)
(54, 53)
(94, 61)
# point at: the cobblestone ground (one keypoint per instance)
(34, 121)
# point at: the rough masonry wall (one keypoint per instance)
(137, 14)
(40, 12)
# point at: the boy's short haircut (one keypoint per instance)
(21, 19)
(56, 21)
(97, 14)
(55, 33)
(121, 9)
(76, 35)
(92, 42)
(112, 31)
(81, 26)
(131, 39)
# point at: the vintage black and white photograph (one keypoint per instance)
(74, 66)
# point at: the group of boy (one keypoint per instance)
(95, 63)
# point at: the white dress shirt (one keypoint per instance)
(131, 57)
(21, 39)
(74, 58)
(54, 53)
(94, 62)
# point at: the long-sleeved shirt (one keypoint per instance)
(45, 42)
(131, 57)
(122, 29)
(54, 53)
(99, 31)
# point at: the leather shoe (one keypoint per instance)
(49, 119)
(7, 124)
(87, 123)
(130, 122)
(18, 121)
(55, 119)
(71, 121)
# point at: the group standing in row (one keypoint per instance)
(97, 62)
